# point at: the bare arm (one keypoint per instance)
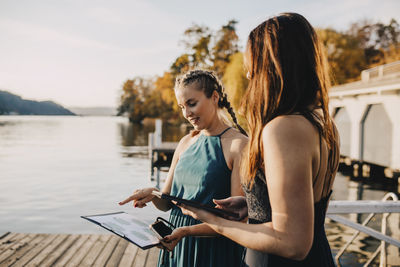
(237, 147)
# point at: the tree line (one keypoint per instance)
(363, 45)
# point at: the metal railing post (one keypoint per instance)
(382, 247)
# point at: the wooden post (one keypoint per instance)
(150, 148)
(158, 143)
(158, 133)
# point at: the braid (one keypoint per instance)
(209, 82)
(225, 103)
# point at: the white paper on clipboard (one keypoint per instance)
(126, 226)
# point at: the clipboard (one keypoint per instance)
(126, 226)
(219, 212)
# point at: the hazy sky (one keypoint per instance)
(79, 52)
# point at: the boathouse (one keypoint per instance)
(367, 114)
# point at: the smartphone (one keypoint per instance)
(160, 229)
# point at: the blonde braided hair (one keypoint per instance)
(209, 83)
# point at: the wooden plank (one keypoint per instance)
(117, 253)
(365, 229)
(71, 251)
(80, 254)
(129, 255)
(48, 250)
(363, 206)
(20, 248)
(4, 235)
(94, 252)
(11, 240)
(8, 241)
(20, 241)
(107, 251)
(27, 257)
(152, 258)
(140, 259)
(59, 251)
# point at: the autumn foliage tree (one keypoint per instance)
(344, 56)
(169, 111)
(226, 45)
(365, 44)
(134, 94)
(235, 82)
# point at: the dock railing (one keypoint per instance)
(378, 72)
(160, 153)
(384, 207)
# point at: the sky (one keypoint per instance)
(79, 53)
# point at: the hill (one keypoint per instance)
(13, 104)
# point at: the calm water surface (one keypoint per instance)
(55, 169)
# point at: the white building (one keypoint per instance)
(367, 114)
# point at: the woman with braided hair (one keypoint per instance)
(290, 163)
(205, 166)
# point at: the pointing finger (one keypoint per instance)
(129, 199)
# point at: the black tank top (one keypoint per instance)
(259, 211)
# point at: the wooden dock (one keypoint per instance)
(17, 249)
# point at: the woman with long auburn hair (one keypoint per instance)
(293, 151)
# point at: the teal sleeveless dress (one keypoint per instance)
(201, 174)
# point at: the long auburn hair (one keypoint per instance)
(288, 74)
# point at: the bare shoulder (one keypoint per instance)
(290, 129)
(185, 141)
(235, 139)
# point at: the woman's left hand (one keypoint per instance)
(170, 241)
(198, 214)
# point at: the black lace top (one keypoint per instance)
(259, 210)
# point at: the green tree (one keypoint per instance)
(205, 49)
(225, 46)
(196, 40)
(380, 42)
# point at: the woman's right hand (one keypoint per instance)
(140, 197)
(235, 204)
(170, 241)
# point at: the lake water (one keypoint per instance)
(55, 169)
